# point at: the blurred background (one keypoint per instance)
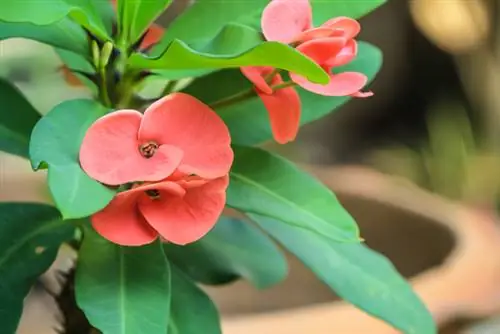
(417, 165)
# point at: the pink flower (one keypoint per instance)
(283, 105)
(176, 133)
(181, 148)
(179, 210)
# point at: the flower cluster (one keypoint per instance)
(173, 162)
(331, 45)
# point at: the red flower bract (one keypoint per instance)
(177, 157)
(180, 210)
(176, 133)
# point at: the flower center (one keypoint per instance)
(148, 150)
(153, 193)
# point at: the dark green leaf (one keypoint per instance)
(268, 185)
(234, 46)
(123, 290)
(232, 249)
(205, 18)
(192, 311)
(64, 34)
(41, 12)
(323, 10)
(248, 120)
(56, 141)
(357, 274)
(30, 236)
(135, 17)
(17, 119)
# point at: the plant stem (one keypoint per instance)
(169, 87)
(232, 99)
(285, 84)
(103, 90)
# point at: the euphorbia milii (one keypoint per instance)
(175, 159)
(180, 209)
(176, 133)
(330, 45)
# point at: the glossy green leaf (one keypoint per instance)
(123, 290)
(55, 142)
(235, 46)
(232, 249)
(64, 34)
(357, 274)
(192, 311)
(135, 17)
(248, 120)
(30, 236)
(41, 12)
(268, 185)
(17, 119)
(76, 62)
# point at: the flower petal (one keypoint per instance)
(323, 49)
(362, 94)
(350, 27)
(284, 20)
(283, 107)
(183, 220)
(153, 36)
(315, 33)
(110, 152)
(343, 84)
(121, 222)
(345, 56)
(256, 75)
(182, 121)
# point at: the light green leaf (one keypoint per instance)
(248, 120)
(232, 249)
(55, 142)
(64, 34)
(234, 46)
(192, 311)
(30, 236)
(357, 274)
(135, 17)
(123, 290)
(41, 12)
(17, 119)
(268, 185)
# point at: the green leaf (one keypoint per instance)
(204, 19)
(76, 62)
(56, 141)
(248, 120)
(29, 240)
(123, 290)
(268, 185)
(234, 46)
(64, 34)
(17, 119)
(41, 12)
(192, 311)
(357, 274)
(135, 17)
(232, 249)
(323, 10)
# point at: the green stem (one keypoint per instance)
(169, 87)
(285, 84)
(103, 89)
(270, 76)
(232, 99)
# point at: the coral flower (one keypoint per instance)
(176, 133)
(283, 105)
(179, 210)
